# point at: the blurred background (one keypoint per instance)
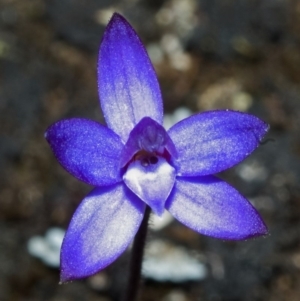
(208, 54)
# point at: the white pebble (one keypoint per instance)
(167, 262)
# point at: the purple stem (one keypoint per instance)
(136, 260)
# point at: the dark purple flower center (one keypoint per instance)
(147, 142)
(147, 160)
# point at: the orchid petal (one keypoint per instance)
(151, 181)
(127, 83)
(148, 136)
(212, 207)
(87, 150)
(102, 227)
(211, 142)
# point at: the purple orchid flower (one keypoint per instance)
(135, 162)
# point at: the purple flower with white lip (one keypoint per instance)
(135, 162)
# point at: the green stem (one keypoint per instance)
(137, 259)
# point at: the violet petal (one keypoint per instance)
(212, 207)
(211, 142)
(151, 182)
(87, 150)
(127, 83)
(150, 136)
(102, 227)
